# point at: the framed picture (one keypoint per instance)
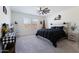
(40, 22)
(58, 17)
(16, 22)
(5, 9)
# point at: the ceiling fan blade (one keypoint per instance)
(46, 8)
(44, 11)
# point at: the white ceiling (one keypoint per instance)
(34, 9)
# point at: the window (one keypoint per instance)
(27, 21)
(35, 21)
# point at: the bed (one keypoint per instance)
(54, 34)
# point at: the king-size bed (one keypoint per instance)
(54, 34)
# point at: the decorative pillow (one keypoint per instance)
(53, 27)
(57, 27)
(61, 27)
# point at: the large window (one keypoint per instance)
(27, 21)
(35, 21)
(30, 21)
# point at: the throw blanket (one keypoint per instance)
(52, 34)
(8, 40)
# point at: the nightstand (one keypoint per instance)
(73, 35)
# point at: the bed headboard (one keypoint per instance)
(65, 27)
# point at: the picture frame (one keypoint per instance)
(4, 10)
(58, 17)
(40, 22)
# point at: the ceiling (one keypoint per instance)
(34, 9)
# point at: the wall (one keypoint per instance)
(5, 18)
(70, 15)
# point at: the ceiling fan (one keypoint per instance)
(44, 11)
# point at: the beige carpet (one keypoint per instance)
(33, 44)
